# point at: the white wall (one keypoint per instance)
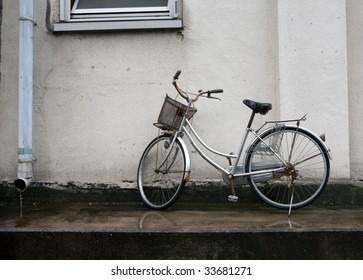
(96, 95)
(313, 71)
(355, 70)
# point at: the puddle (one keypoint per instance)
(183, 217)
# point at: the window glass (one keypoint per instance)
(118, 14)
(107, 4)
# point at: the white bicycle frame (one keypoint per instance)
(250, 170)
(187, 129)
(237, 157)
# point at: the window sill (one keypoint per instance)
(117, 25)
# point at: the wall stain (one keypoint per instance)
(1, 22)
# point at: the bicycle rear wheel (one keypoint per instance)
(302, 177)
(161, 172)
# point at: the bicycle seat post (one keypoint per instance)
(251, 119)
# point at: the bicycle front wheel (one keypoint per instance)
(302, 163)
(161, 173)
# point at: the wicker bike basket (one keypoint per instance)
(172, 113)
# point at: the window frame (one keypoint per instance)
(73, 19)
(104, 11)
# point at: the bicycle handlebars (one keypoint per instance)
(215, 91)
(176, 76)
(200, 92)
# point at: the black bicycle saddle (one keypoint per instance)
(258, 107)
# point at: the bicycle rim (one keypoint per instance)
(161, 186)
(304, 175)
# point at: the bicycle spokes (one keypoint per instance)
(161, 173)
(300, 179)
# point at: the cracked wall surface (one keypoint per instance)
(97, 94)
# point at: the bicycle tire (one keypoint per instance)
(307, 162)
(160, 187)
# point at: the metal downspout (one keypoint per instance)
(25, 157)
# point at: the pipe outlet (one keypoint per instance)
(21, 183)
(25, 172)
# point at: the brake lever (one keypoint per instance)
(211, 97)
(209, 94)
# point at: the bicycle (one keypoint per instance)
(285, 164)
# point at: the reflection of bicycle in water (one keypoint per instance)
(155, 220)
(285, 224)
(286, 165)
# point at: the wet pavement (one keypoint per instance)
(185, 231)
(182, 217)
(69, 222)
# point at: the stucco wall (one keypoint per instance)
(96, 94)
(313, 71)
(355, 70)
(1, 20)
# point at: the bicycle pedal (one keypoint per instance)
(232, 198)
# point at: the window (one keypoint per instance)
(118, 14)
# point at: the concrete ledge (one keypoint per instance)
(337, 193)
(277, 245)
(186, 231)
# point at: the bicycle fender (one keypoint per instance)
(327, 149)
(323, 144)
(187, 159)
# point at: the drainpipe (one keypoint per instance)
(25, 157)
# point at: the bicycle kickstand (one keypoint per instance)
(292, 196)
(292, 188)
(233, 197)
